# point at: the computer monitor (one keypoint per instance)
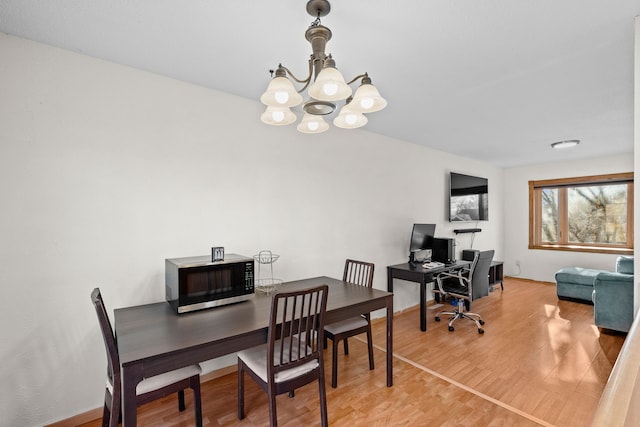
(421, 239)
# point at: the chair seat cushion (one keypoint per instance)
(162, 380)
(256, 359)
(454, 285)
(454, 288)
(346, 325)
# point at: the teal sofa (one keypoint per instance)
(613, 296)
(611, 293)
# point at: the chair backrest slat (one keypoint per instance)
(296, 328)
(358, 272)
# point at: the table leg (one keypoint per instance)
(389, 280)
(131, 376)
(390, 341)
(423, 305)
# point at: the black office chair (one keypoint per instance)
(481, 287)
(292, 356)
(150, 388)
(459, 285)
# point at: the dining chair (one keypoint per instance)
(358, 273)
(292, 356)
(150, 388)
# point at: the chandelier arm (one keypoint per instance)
(307, 80)
(357, 77)
(305, 86)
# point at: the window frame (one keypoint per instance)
(535, 213)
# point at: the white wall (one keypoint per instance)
(105, 171)
(542, 264)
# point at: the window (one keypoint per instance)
(588, 214)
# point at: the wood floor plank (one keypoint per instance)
(540, 362)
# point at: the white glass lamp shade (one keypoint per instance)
(330, 86)
(312, 124)
(278, 116)
(281, 93)
(367, 99)
(349, 119)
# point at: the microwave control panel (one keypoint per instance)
(248, 277)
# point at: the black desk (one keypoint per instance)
(419, 275)
(153, 339)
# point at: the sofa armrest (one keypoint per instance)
(624, 264)
(613, 300)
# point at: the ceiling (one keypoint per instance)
(494, 80)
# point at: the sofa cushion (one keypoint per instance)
(577, 275)
(576, 283)
(624, 264)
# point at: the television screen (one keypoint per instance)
(421, 237)
(468, 198)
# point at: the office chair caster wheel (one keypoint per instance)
(451, 329)
(481, 322)
(437, 318)
(480, 331)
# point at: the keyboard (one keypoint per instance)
(432, 264)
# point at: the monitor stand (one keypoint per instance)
(412, 260)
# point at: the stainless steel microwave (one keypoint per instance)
(195, 283)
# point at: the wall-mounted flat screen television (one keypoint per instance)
(468, 198)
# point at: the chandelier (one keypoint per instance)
(327, 88)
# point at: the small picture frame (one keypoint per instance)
(217, 253)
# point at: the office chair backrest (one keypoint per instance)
(113, 359)
(474, 264)
(358, 273)
(480, 277)
(296, 329)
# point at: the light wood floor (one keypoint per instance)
(540, 362)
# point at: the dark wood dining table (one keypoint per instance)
(153, 339)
